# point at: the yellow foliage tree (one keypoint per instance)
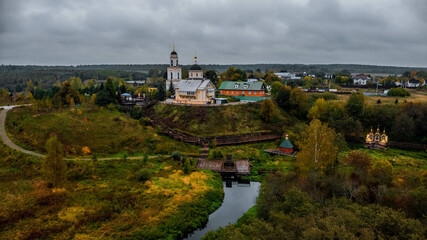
(85, 150)
(54, 168)
(307, 78)
(318, 151)
(267, 110)
(318, 110)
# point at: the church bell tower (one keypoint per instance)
(174, 71)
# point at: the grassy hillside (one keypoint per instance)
(103, 131)
(221, 120)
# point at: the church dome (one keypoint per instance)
(195, 67)
(174, 53)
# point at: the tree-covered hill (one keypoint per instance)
(14, 78)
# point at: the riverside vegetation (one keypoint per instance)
(145, 199)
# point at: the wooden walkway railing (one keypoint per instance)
(220, 140)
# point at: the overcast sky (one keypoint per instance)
(71, 32)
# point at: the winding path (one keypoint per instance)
(6, 140)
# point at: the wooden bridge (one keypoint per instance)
(237, 168)
(227, 168)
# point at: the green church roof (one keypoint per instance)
(286, 144)
(251, 86)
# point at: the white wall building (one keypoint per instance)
(195, 89)
(287, 75)
(361, 79)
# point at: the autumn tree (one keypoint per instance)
(65, 94)
(186, 168)
(30, 86)
(404, 128)
(282, 98)
(54, 168)
(361, 163)
(267, 110)
(270, 78)
(76, 83)
(298, 101)
(233, 74)
(318, 151)
(355, 105)
(90, 83)
(275, 88)
(319, 110)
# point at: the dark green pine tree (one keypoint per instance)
(171, 88)
(161, 95)
(107, 94)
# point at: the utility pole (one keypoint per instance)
(377, 88)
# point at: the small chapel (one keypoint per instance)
(377, 139)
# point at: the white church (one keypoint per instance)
(193, 90)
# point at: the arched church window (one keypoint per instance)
(171, 62)
(177, 62)
(171, 75)
(178, 74)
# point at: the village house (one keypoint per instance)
(361, 79)
(253, 91)
(287, 75)
(413, 83)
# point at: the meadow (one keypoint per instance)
(416, 96)
(110, 199)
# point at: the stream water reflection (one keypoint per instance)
(238, 199)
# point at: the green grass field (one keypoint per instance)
(104, 132)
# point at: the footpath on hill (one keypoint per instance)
(8, 142)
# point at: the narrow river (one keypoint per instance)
(238, 198)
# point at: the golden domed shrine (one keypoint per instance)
(376, 140)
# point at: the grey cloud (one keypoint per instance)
(378, 32)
